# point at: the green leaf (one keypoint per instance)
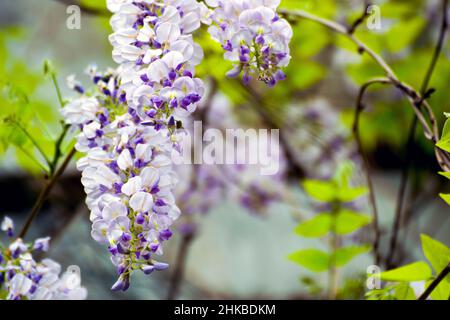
(446, 131)
(445, 197)
(349, 194)
(444, 142)
(315, 227)
(311, 259)
(445, 174)
(403, 291)
(436, 252)
(348, 221)
(346, 254)
(417, 271)
(444, 145)
(320, 190)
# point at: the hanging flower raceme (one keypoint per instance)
(253, 36)
(127, 175)
(21, 277)
(127, 172)
(153, 44)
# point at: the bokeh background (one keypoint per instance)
(237, 253)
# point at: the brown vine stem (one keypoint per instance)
(180, 265)
(45, 193)
(361, 19)
(372, 199)
(435, 283)
(431, 131)
(411, 137)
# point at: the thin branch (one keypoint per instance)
(435, 283)
(58, 90)
(178, 273)
(86, 9)
(438, 49)
(372, 199)
(45, 193)
(431, 130)
(361, 19)
(411, 136)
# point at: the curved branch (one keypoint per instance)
(431, 131)
(411, 137)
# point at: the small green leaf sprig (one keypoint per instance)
(334, 224)
(400, 281)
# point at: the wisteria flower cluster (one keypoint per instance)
(153, 45)
(127, 175)
(21, 277)
(129, 125)
(253, 36)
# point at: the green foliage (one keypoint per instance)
(344, 255)
(28, 123)
(346, 222)
(336, 190)
(437, 254)
(319, 261)
(416, 271)
(311, 259)
(407, 43)
(398, 291)
(404, 32)
(444, 144)
(338, 222)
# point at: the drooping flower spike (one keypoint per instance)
(127, 175)
(153, 45)
(253, 36)
(128, 128)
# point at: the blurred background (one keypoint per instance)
(241, 244)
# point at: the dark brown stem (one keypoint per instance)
(356, 133)
(435, 283)
(361, 19)
(411, 137)
(180, 266)
(45, 193)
